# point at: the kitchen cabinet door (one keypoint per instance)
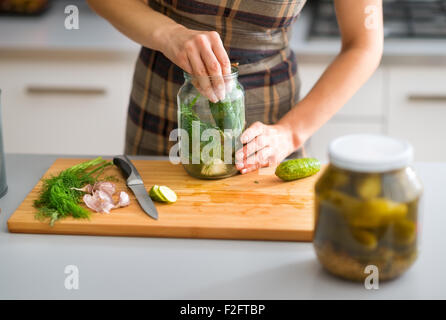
(65, 105)
(368, 102)
(417, 109)
(318, 144)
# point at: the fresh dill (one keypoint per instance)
(58, 199)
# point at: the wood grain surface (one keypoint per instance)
(256, 206)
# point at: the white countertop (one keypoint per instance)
(32, 266)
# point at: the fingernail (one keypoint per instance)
(213, 98)
(221, 92)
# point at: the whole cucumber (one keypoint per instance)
(298, 168)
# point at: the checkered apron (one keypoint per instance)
(255, 34)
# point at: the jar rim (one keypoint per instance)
(232, 75)
(370, 153)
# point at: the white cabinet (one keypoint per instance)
(407, 102)
(318, 144)
(364, 113)
(65, 104)
(417, 109)
(367, 102)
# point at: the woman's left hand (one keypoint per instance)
(263, 146)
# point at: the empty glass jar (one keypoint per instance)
(209, 131)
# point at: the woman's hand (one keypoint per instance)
(200, 53)
(264, 145)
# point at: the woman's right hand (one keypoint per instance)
(202, 54)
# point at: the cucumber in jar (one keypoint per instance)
(228, 120)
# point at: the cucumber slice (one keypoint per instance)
(152, 193)
(155, 194)
(160, 196)
(167, 194)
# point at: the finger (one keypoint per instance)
(222, 57)
(253, 146)
(214, 70)
(242, 155)
(263, 156)
(260, 156)
(200, 73)
(253, 131)
(187, 66)
(240, 158)
(220, 53)
(250, 168)
(259, 160)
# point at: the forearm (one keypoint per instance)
(197, 52)
(136, 20)
(346, 74)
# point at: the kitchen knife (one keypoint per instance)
(135, 183)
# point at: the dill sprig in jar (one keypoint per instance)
(209, 131)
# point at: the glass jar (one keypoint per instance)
(210, 132)
(3, 185)
(367, 208)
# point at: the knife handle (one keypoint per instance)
(128, 170)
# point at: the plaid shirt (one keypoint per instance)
(254, 33)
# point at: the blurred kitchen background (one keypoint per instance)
(66, 91)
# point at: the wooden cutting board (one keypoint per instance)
(255, 206)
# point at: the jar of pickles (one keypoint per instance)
(211, 118)
(367, 208)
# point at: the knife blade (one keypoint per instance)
(135, 183)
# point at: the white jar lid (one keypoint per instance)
(369, 153)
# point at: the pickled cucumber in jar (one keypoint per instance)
(368, 186)
(377, 212)
(405, 232)
(367, 208)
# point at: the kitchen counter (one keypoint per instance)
(32, 266)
